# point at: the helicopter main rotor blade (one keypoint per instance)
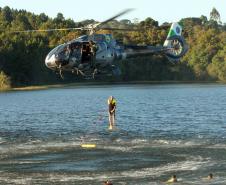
(91, 28)
(47, 30)
(117, 15)
(120, 29)
(98, 26)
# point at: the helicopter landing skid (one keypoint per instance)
(90, 75)
(78, 71)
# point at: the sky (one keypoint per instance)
(160, 10)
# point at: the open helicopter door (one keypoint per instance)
(175, 43)
(86, 53)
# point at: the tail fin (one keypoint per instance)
(175, 43)
(175, 30)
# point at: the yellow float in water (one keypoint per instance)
(88, 146)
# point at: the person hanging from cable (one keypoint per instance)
(111, 111)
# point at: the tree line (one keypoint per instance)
(22, 55)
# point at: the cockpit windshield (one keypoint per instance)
(56, 49)
(62, 50)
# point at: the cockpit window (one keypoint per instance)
(62, 49)
(56, 49)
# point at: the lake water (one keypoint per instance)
(161, 130)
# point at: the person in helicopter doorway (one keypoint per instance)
(75, 57)
(111, 111)
(93, 50)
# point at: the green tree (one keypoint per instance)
(204, 19)
(4, 81)
(149, 22)
(215, 15)
(217, 69)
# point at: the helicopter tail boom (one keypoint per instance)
(174, 46)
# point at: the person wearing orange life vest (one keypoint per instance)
(111, 111)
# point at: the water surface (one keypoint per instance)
(161, 130)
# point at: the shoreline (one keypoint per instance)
(45, 87)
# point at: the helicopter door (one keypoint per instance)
(86, 53)
(102, 51)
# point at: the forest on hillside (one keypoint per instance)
(22, 55)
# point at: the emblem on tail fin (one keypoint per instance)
(175, 29)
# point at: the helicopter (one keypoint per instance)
(94, 54)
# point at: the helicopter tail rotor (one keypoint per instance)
(175, 44)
